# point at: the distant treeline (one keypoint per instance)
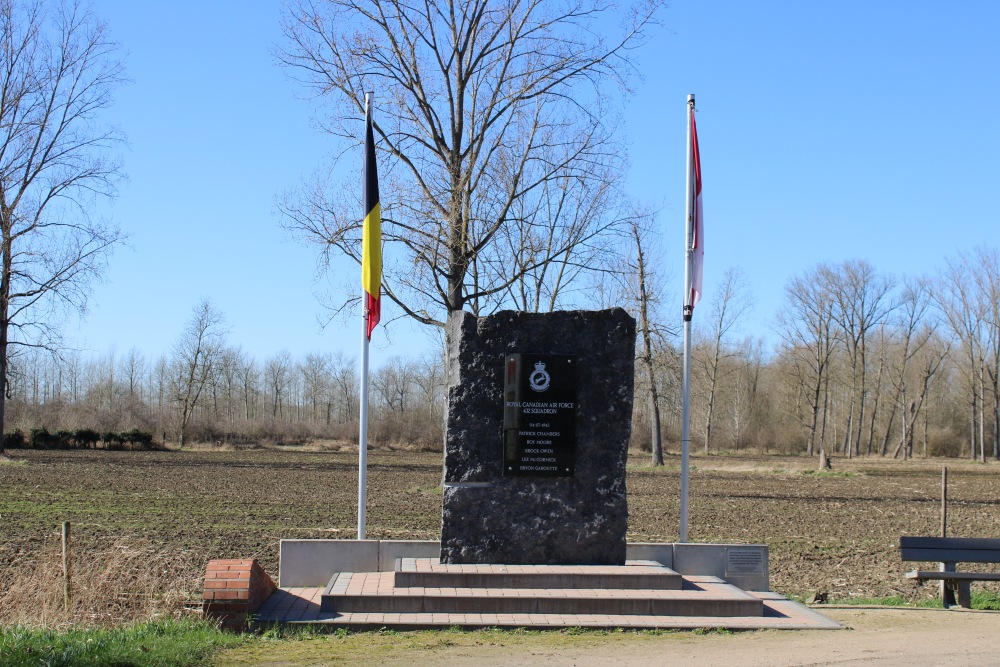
(862, 364)
(83, 438)
(237, 401)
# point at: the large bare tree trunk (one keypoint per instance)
(645, 299)
(811, 448)
(57, 73)
(4, 326)
(878, 392)
(982, 411)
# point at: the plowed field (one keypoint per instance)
(836, 533)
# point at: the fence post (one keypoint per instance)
(944, 501)
(67, 588)
(947, 594)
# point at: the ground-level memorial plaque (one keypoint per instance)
(536, 437)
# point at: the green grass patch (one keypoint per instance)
(982, 600)
(986, 601)
(888, 601)
(157, 643)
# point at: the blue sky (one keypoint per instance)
(828, 131)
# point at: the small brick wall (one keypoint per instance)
(234, 589)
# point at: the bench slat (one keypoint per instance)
(907, 541)
(953, 576)
(950, 555)
(949, 549)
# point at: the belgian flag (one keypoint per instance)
(371, 235)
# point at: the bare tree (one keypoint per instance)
(862, 300)
(806, 324)
(134, 367)
(73, 366)
(57, 72)
(912, 334)
(491, 117)
(731, 303)
(962, 310)
(315, 372)
(345, 381)
(249, 376)
(987, 278)
(640, 288)
(195, 356)
(231, 363)
(277, 375)
(931, 358)
(566, 235)
(430, 379)
(106, 371)
(745, 387)
(159, 381)
(393, 382)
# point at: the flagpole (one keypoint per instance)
(363, 434)
(688, 310)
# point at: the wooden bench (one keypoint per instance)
(948, 551)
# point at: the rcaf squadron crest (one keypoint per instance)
(539, 379)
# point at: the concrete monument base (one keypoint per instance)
(311, 563)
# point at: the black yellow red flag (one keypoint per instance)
(371, 235)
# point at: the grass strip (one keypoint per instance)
(982, 600)
(164, 643)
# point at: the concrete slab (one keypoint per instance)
(313, 562)
(310, 563)
(743, 565)
(391, 550)
(661, 552)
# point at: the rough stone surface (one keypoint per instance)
(489, 518)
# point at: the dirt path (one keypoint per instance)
(881, 636)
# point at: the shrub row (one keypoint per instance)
(81, 438)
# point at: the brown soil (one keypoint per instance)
(836, 534)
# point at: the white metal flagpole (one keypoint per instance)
(688, 310)
(363, 434)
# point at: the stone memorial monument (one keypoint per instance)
(538, 421)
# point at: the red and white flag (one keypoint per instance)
(697, 223)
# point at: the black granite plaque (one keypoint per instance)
(539, 417)
(487, 517)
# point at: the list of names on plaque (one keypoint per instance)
(539, 415)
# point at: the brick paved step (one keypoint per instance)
(302, 605)
(430, 573)
(375, 593)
